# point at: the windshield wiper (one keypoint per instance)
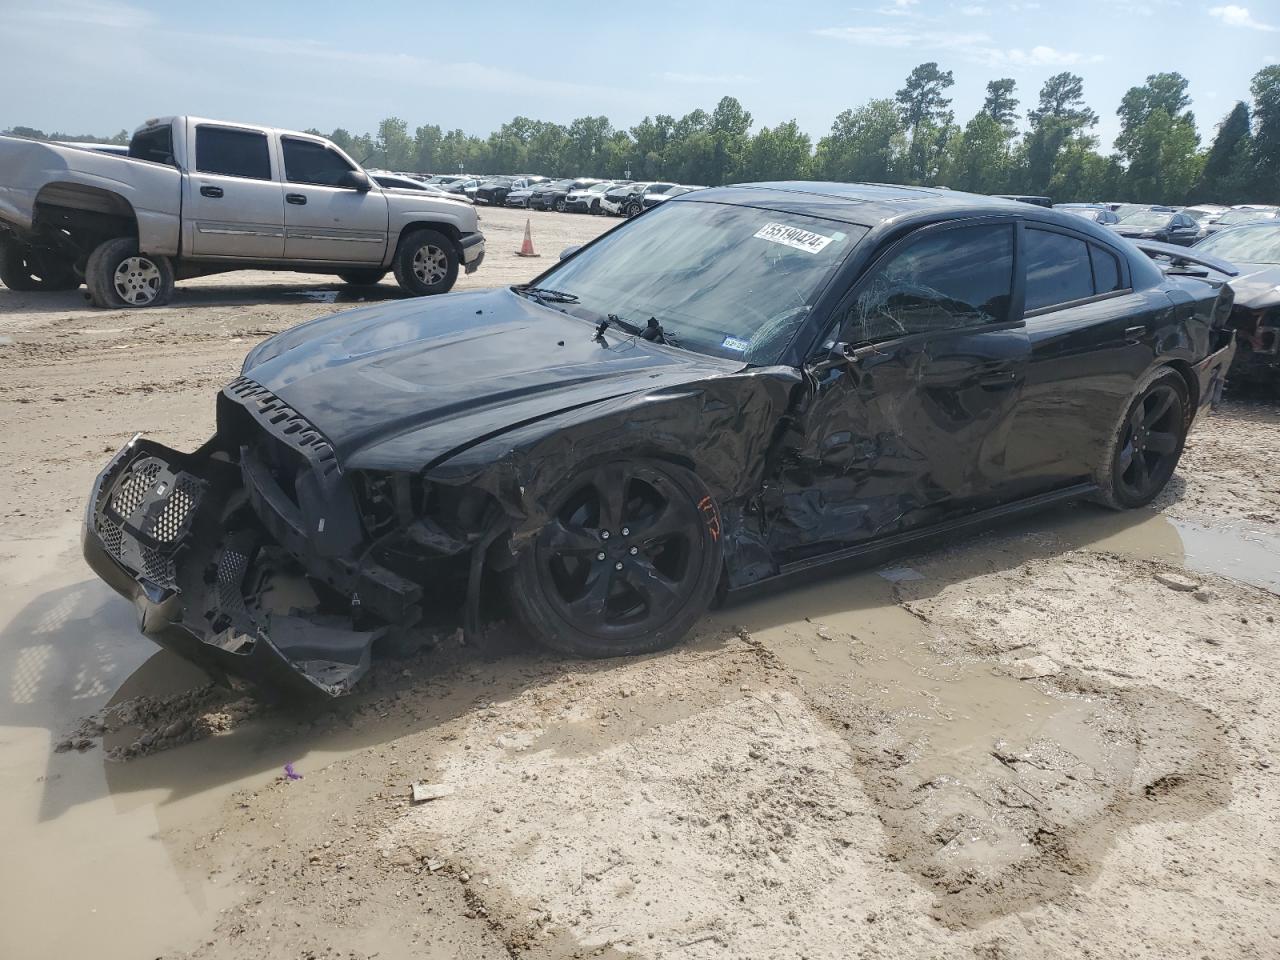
(546, 293)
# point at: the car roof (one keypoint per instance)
(867, 204)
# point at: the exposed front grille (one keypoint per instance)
(285, 423)
(166, 527)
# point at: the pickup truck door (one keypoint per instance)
(233, 202)
(324, 220)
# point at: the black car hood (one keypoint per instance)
(402, 385)
(1258, 285)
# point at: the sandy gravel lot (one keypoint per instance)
(1056, 740)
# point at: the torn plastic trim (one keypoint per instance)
(205, 579)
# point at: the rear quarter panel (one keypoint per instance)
(32, 171)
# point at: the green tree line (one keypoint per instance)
(912, 137)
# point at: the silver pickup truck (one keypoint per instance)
(196, 197)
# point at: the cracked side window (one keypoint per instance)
(942, 281)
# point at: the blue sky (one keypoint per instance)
(96, 66)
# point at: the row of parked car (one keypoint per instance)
(619, 198)
(1183, 226)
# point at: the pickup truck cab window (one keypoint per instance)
(944, 280)
(232, 153)
(308, 162)
(155, 145)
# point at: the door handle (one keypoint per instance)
(998, 380)
(298, 198)
(1135, 334)
(214, 193)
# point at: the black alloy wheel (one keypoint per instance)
(626, 564)
(1150, 443)
(1147, 442)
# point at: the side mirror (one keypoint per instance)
(356, 180)
(841, 355)
(838, 356)
(568, 252)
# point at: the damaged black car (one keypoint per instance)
(741, 384)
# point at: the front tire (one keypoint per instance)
(117, 276)
(1146, 444)
(426, 263)
(362, 278)
(560, 206)
(627, 562)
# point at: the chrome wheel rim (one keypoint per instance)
(137, 280)
(430, 265)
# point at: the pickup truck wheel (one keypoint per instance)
(117, 275)
(627, 562)
(426, 262)
(24, 269)
(362, 278)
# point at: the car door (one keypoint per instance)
(233, 203)
(1091, 336)
(915, 428)
(323, 219)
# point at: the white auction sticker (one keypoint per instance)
(793, 237)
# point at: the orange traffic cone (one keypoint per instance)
(526, 248)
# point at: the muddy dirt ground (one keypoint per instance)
(1055, 740)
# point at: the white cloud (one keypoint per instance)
(673, 76)
(898, 38)
(1039, 57)
(1234, 16)
(975, 46)
(976, 10)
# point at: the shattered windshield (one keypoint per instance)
(724, 280)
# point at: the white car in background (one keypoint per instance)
(587, 200)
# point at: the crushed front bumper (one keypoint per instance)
(174, 534)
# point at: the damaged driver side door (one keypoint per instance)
(910, 423)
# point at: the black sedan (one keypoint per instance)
(743, 384)
(1163, 226)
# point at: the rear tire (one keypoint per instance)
(627, 562)
(118, 276)
(362, 278)
(24, 269)
(1146, 442)
(426, 263)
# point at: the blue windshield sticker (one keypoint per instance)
(735, 343)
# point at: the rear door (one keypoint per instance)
(323, 220)
(1091, 336)
(915, 429)
(233, 201)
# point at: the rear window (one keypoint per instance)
(1106, 270)
(1058, 269)
(155, 145)
(232, 153)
